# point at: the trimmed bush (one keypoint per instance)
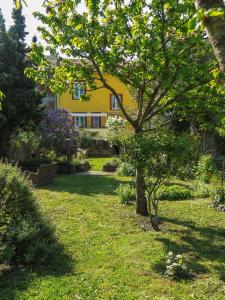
(173, 192)
(25, 236)
(111, 165)
(126, 169)
(127, 193)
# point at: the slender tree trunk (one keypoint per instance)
(141, 201)
(215, 29)
(153, 211)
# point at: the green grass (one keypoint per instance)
(110, 256)
(98, 162)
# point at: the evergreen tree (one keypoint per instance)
(21, 105)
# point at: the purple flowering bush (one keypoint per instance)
(58, 133)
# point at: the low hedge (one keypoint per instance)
(174, 192)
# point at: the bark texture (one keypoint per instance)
(141, 201)
(215, 29)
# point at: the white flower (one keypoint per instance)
(175, 265)
(170, 253)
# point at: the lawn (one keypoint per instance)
(108, 254)
(98, 162)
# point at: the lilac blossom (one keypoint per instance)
(58, 132)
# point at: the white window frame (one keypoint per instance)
(94, 118)
(78, 122)
(114, 103)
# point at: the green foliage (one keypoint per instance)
(126, 193)
(197, 21)
(21, 107)
(111, 165)
(85, 140)
(34, 163)
(205, 168)
(102, 38)
(202, 190)
(173, 192)
(126, 169)
(176, 267)
(81, 154)
(100, 234)
(25, 236)
(50, 154)
(219, 197)
(160, 153)
(29, 141)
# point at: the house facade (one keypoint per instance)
(102, 104)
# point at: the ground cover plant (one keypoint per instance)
(112, 257)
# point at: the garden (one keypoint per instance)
(76, 221)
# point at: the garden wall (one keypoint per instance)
(45, 174)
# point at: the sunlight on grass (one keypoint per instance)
(113, 257)
(98, 162)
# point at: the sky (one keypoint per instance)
(32, 24)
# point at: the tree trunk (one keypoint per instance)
(215, 29)
(141, 201)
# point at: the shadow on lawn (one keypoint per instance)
(199, 244)
(19, 278)
(85, 185)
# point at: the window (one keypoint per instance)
(96, 122)
(78, 90)
(114, 105)
(80, 122)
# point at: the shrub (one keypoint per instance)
(175, 266)
(127, 193)
(111, 165)
(33, 164)
(58, 133)
(173, 192)
(26, 141)
(85, 139)
(81, 154)
(185, 172)
(126, 169)
(81, 165)
(25, 236)
(66, 167)
(219, 199)
(202, 190)
(205, 168)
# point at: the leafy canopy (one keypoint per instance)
(144, 44)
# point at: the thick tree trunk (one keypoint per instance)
(141, 201)
(215, 29)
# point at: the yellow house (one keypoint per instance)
(102, 104)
